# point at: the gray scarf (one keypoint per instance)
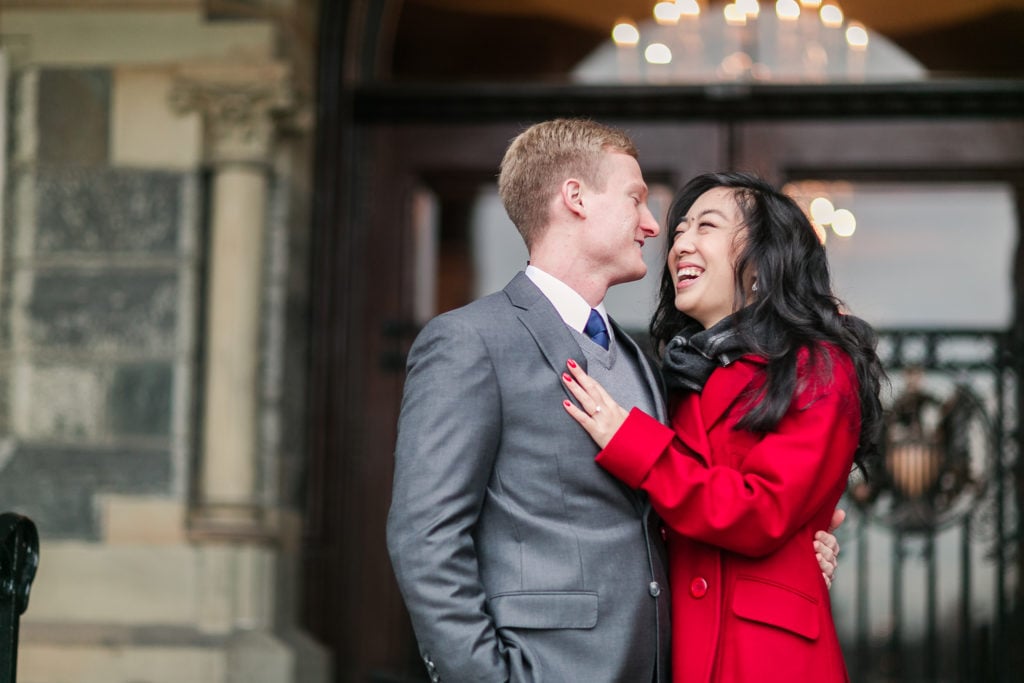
(692, 355)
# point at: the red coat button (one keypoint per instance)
(699, 587)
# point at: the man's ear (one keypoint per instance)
(572, 197)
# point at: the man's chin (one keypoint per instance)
(637, 274)
(640, 273)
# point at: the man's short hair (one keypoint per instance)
(545, 154)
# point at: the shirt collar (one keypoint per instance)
(572, 307)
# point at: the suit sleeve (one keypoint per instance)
(786, 477)
(448, 435)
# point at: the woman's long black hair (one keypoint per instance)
(793, 308)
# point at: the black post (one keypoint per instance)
(931, 641)
(896, 667)
(19, 558)
(861, 666)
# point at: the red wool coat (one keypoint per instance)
(741, 509)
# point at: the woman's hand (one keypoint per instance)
(601, 416)
(826, 547)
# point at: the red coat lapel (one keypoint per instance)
(697, 414)
(726, 385)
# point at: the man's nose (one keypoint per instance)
(648, 223)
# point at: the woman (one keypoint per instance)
(774, 397)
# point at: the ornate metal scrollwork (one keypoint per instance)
(936, 460)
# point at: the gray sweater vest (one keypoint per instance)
(619, 372)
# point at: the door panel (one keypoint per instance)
(414, 214)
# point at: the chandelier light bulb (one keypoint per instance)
(734, 16)
(831, 16)
(843, 223)
(666, 13)
(658, 53)
(688, 8)
(857, 36)
(736, 64)
(787, 10)
(751, 8)
(625, 33)
(811, 4)
(822, 210)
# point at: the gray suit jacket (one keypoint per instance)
(519, 559)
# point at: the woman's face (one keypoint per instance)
(702, 259)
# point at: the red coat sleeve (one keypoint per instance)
(748, 493)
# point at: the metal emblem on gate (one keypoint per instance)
(936, 459)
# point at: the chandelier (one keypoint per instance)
(791, 41)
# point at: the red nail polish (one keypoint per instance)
(571, 363)
(566, 403)
(566, 377)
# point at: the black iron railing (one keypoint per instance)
(19, 558)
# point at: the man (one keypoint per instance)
(518, 558)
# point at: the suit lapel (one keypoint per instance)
(553, 337)
(557, 344)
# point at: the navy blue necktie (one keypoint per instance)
(596, 329)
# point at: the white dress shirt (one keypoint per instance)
(572, 307)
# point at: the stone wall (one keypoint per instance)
(118, 181)
(100, 265)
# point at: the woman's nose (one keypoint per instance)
(683, 244)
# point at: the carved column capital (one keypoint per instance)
(238, 103)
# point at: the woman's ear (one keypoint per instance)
(750, 282)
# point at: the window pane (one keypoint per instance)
(922, 254)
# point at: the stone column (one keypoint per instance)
(237, 103)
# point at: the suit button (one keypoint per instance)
(654, 589)
(664, 534)
(699, 587)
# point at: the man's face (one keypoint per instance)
(618, 221)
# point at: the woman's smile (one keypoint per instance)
(687, 275)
